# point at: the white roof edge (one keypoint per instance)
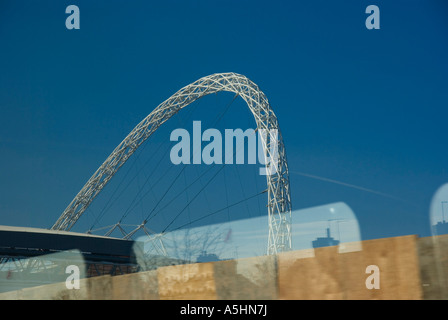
(48, 231)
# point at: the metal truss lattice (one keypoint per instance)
(278, 190)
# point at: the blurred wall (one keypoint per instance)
(409, 268)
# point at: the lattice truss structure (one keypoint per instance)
(278, 189)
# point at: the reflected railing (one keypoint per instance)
(63, 269)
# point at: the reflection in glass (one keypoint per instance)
(439, 211)
(327, 225)
(435, 251)
(17, 272)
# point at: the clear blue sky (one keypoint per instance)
(364, 107)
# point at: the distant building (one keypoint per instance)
(152, 262)
(207, 257)
(328, 241)
(441, 227)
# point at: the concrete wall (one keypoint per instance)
(333, 275)
(410, 268)
(433, 263)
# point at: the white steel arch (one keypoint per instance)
(279, 201)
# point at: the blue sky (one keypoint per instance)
(367, 108)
